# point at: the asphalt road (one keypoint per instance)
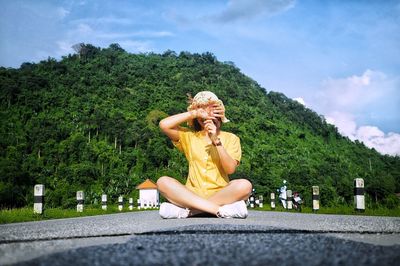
(143, 238)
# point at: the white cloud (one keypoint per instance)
(248, 9)
(103, 21)
(84, 29)
(371, 136)
(136, 46)
(81, 33)
(344, 122)
(86, 33)
(141, 34)
(367, 132)
(345, 101)
(62, 12)
(353, 93)
(234, 11)
(101, 31)
(300, 100)
(64, 48)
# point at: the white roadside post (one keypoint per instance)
(273, 201)
(252, 200)
(38, 200)
(359, 198)
(104, 202)
(138, 204)
(315, 198)
(260, 201)
(80, 199)
(289, 201)
(120, 203)
(130, 204)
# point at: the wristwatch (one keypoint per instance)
(217, 142)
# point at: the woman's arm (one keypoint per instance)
(227, 162)
(170, 124)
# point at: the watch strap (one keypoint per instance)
(218, 142)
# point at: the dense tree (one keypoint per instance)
(90, 122)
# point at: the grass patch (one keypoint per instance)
(342, 210)
(26, 214)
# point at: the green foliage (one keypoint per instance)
(90, 122)
(26, 214)
(340, 209)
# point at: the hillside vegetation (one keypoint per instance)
(90, 122)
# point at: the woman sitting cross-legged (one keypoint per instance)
(212, 155)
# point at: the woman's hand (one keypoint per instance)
(218, 111)
(211, 129)
(202, 113)
(209, 112)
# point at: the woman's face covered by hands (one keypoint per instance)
(209, 117)
(207, 107)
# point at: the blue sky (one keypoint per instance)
(339, 58)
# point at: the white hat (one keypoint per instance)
(204, 98)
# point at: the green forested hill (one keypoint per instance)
(90, 122)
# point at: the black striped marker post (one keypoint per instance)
(80, 199)
(289, 202)
(104, 202)
(38, 200)
(138, 204)
(252, 199)
(315, 198)
(260, 201)
(359, 198)
(120, 203)
(273, 201)
(130, 204)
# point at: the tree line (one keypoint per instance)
(90, 122)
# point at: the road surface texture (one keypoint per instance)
(264, 238)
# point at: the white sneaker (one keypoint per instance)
(237, 209)
(171, 211)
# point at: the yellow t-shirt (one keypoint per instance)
(206, 175)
